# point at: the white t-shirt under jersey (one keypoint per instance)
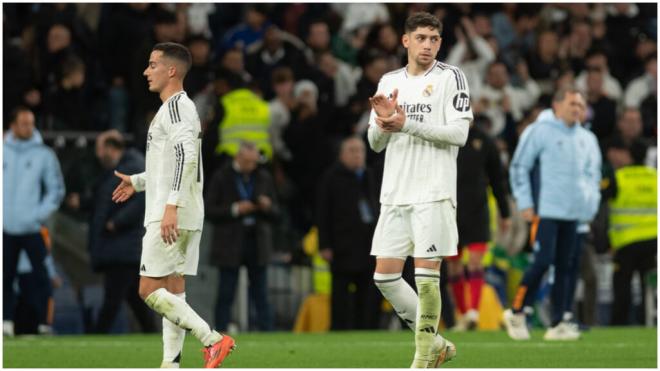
(420, 162)
(173, 171)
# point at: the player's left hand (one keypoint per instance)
(392, 124)
(168, 227)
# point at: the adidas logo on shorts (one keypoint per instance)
(143, 268)
(431, 249)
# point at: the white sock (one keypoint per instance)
(428, 309)
(181, 314)
(399, 293)
(173, 337)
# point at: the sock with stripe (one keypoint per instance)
(173, 338)
(181, 314)
(399, 293)
(428, 309)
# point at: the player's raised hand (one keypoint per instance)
(384, 106)
(124, 190)
(394, 123)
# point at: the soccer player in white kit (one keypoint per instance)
(174, 212)
(421, 114)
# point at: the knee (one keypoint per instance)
(385, 280)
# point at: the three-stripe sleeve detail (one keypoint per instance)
(458, 75)
(178, 170)
(173, 108)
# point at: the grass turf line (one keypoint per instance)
(598, 348)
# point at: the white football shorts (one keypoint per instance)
(426, 230)
(160, 259)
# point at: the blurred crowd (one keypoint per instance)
(294, 81)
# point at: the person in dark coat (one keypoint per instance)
(242, 206)
(479, 166)
(347, 211)
(115, 235)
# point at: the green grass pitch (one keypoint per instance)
(598, 348)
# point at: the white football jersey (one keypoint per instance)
(173, 170)
(420, 162)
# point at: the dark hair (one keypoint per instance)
(638, 151)
(114, 142)
(281, 74)
(175, 51)
(16, 111)
(234, 80)
(72, 64)
(423, 19)
(560, 95)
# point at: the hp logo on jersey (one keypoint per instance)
(461, 102)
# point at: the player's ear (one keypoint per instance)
(405, 40)
(171, 70)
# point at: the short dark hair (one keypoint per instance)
(13, 116)
(175, 51)
(422, 19)
(234, 80)
(560, 95)
(114, 142)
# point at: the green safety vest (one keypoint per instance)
(246, 119)
(633, 213)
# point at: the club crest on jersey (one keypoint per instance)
(427, 91)
(461, 102)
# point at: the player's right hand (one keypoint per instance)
(384, 106)
(124, 190)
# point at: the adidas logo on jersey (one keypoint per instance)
(431, 249)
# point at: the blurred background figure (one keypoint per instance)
(346, 215)
(32, 190)
(479, 167)
(115, 234)
(242, 206)
(633, 226)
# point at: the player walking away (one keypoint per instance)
(421, 113)
(547, 170)
(174, 212)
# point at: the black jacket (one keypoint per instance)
(229, 231)
(124, 245)
(479, 166)
(339, 220)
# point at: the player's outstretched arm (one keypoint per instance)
(124, 190)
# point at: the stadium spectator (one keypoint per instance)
(543, 61)
(603, 108)
(597, 61)
(318, 36)
(343, 76)
(633, 226)
(347, 211)
(33, 189)
(472, 53)
(305, 135)
(478, 167)
(241, 204)
(498, 97)
(280, 110)
(548, 195)
(574, 47)
(234, 61)
(115, 235)
(200, 74)
(642, 94)
(360, 15)
(62, 104)
(251, 30)
(373, 68)
(384, 38)
(273, 50)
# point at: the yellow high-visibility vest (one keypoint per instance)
(246, 119)
(633, 213)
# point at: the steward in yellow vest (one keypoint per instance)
(246, 119)
(633, 227)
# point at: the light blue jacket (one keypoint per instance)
(549, 169)
(32, 184)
